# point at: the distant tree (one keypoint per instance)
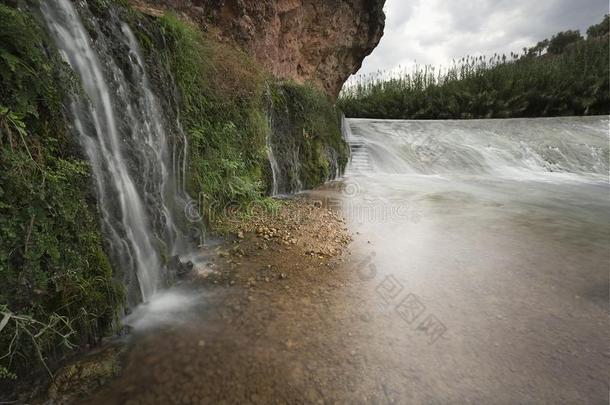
(560, 41)
(538, 49)
(601, 29)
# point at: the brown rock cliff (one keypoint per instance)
(323, 42)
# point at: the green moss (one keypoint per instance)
(225, 103)
(220, 90)
(222, 112)
(311, 123)
(52, 264)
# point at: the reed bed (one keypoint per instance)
(531, 84)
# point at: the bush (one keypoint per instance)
(601, 29)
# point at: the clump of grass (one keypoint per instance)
(571, 78)
(220, 90)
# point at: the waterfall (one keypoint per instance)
(119, 122)
(168, 192)
(275, 168)
(280, 149)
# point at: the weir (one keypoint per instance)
(572, 147)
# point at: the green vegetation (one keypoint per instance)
(566, 75)
(58, 290)
(224, 106)
(600, 30)
(305, 126)
(57, 287)
(220, 89)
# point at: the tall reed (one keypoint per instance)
(575, 82)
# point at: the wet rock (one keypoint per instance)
(179, 268)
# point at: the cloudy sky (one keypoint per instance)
(435, 31)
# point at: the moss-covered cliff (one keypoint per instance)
(57, 286)
(61, 291)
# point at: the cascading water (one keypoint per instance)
(166, 191)
(275, 168)
(119, 123)
(517, 148)
(282, 150)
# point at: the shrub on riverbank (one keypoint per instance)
(571, 78)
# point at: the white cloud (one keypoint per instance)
(436, 31)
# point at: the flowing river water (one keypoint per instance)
(479, 274)
(488, 243)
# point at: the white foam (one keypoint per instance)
(164, 308)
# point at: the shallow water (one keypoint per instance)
(488, 242)
(479, 280)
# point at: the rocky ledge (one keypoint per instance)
(323, 42)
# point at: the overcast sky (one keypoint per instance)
(435, 31)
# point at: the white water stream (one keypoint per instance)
(120, 124)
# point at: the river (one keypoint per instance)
(478, 274)
(488, 242)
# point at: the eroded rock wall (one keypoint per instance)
(306, 40)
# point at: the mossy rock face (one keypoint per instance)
(230, 108)
(306, 136)
(220, 109)
(52, 261)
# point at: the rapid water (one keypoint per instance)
(514, 148)
(138, 167)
